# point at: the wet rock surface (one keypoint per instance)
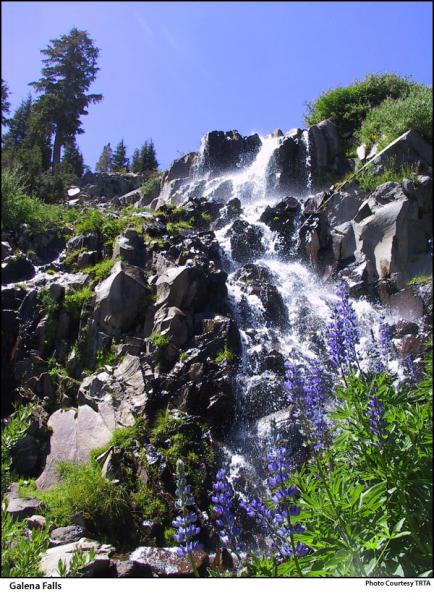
(165, 562)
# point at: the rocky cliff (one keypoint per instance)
(183, 321)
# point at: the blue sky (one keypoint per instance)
(172, 71)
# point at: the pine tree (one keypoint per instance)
(5, 103)
(19, 125)
(120, 160)
(147, 160)
(152, 163)
(104, 164)
(135, 162)
(70, 68)
(143, 158)
(24, 145)
(72, 159)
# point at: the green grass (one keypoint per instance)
(48, 304)
(130, 437)
(177, 438)
(159, 341)
(369, 181)
(100, 271)
(74, 301)
(183, 356)
(224, 356)
(82, 488)
(93, 220)
(179, 227)
(205, 216)
(420, 280)
(394, 117)
(18, 207)
(106, 357)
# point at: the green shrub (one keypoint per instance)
(420, 280)
(158, 340)
(70, 260)
(74, 301)
(395, 116)
(369, 181)
(151, 187)
(14, 430)
(225, 356)
(179, 437)
(177, 228)
(348, 106)
(150, 505)
(183, 356)
(100, 271)
(48, 304)
(93, 220)
(18, 207)
(20, 555)
(366, 503)
(82, 488)
(104, 357)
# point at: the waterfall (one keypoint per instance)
(300, 331)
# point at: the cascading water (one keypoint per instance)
(299, 303)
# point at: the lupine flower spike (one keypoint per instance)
(186, 523)
(342, 332)
(377, 423)
(276, 520)
(385, 339)
(223, 499)
(306, 392)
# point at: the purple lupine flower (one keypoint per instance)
(385, 339)
(307, 389)
(342, 331)
(293, 380)
(377, 423)
(314, 405)
(275, 518)
(223, 498)
(185, 525)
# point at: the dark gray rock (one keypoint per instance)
(130, 247)
(181, 168)
(409, 148)
(128, 568)
(66, 535)
(26, 454)
(182, 287)
(286, 171)
(258, 280)
(223, 151)
(17, 268)
(6, 250)
(20, 508)
(246, 241)
(88, 241)
(87, 259)
(121, 299)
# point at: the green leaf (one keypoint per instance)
(373, 498)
